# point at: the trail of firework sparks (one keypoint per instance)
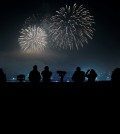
(32, 39)
(71, 27)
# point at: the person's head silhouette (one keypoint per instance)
(46, 68)
(78, 68)
(2, 75)
(92, 71)
(115, 75)
(1, 70)
(35, 67)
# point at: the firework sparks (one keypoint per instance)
(71, 27)
(32, 39)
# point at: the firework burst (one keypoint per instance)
(71, 27)
(32, 39)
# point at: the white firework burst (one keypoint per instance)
(32, 39)
(71, 27)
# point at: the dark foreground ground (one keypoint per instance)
(91, 105)
(97, 89)
(61, 99)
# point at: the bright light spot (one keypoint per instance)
(13, 79)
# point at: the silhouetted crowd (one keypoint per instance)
(45, 76)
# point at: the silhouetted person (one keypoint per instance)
(2, 76)
(91, 75)
(78, 75)
(115, 77)
(34, 75)
(46, 75)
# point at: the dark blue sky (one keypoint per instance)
(101, 53)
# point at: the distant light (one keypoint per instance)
(96, 78)
(13, 78)
(108, 78)
(109, 73)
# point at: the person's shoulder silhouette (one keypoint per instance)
(46, 74)
(34, 75)
(78, 75)
(2, 76)
(91, 75)
(115, 77)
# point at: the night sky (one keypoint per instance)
(101, 53)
